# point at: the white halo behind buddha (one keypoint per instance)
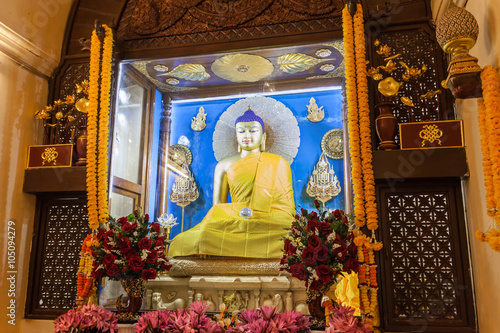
(283, 133)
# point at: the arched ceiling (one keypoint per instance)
(146, 25)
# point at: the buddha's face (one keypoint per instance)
(249, 135)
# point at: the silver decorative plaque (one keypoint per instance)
(332, 144)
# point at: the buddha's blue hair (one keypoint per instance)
(249, 116)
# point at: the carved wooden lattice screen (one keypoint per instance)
(418, 47)
(60, 230)
(72, 75)
(425, 275)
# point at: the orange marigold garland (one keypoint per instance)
(488, 175)
(95, 59)
(365, 209)
(98, 128)
(489, 125)
(102, 169)
(364, 121)
(352, 118)
(491, 93)
(97, 154)
(85, 282)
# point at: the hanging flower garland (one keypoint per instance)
(491, 95)
(489, 126)
(102, 169)
(95, 59)
(352, 119)
(368, 285)
(97, 154)
(488, 175)
(361, 160)
(85, 282)
(364, 121)
(98, 128)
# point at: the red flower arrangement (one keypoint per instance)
(130, 248)
(319, 247)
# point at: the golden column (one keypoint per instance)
(164, 144)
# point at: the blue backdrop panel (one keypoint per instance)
(204, 162)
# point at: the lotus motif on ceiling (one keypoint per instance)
(242, 67)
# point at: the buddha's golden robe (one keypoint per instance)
(262, 182)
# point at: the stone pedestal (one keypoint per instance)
(253, 283)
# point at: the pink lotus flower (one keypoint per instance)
(89, 318)
(154, 322)
(268, 320)
(250, 316)
(268, 312)
(342, 320)
(181, 321)
(64, 322)
(194, 319)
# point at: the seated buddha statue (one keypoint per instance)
(258, 181)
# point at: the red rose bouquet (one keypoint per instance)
(319, 247)
(130, 248)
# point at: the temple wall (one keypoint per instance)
(31, 33)
(21, 92)
(485, 262)
(42, 23)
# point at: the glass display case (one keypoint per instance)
(131, 143)
(297, 90)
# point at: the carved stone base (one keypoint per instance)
(253, 282)
(250, 292)
(216, 266)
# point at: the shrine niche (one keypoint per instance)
(182, 65)
(275, 83)
(205, 81)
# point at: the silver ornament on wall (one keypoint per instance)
(184, 191)
(332, 144)
(323, 183)
(314, 113)
(180, 155)
(199, 122)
